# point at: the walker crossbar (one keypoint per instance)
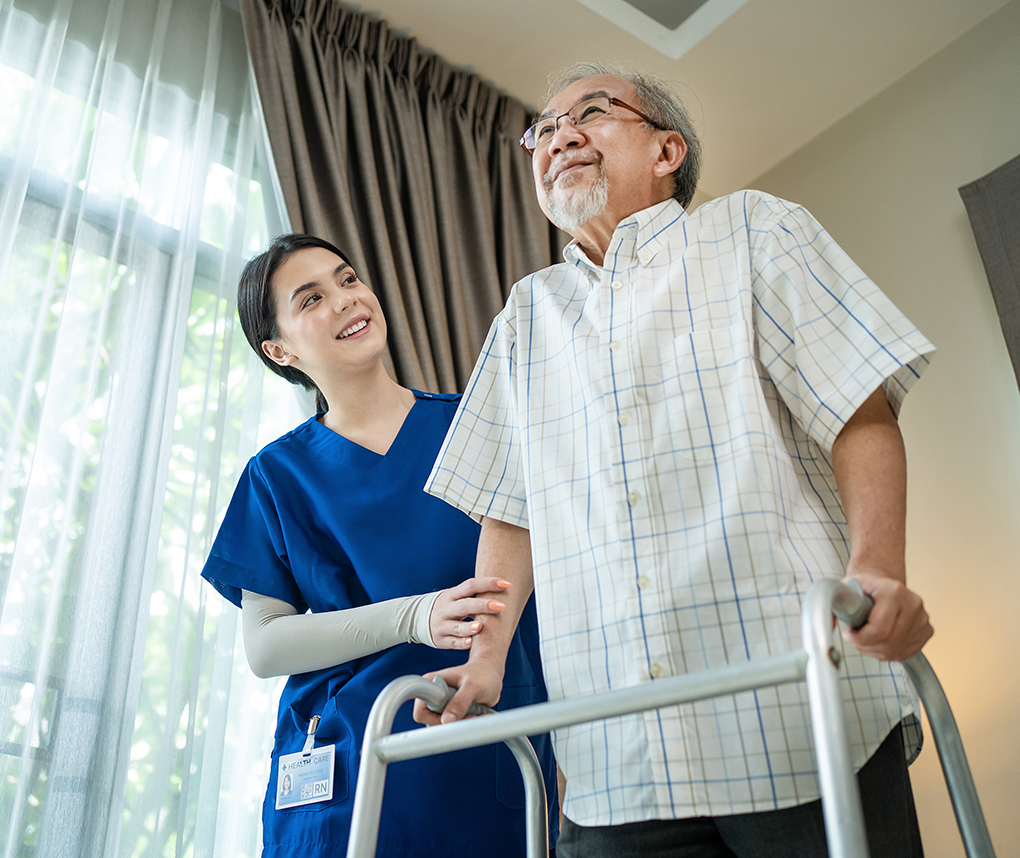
(816, 663)
(542, 717)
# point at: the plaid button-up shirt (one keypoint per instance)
(663, 425)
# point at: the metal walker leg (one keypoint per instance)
(817, 663)
(969, 819)
(372, 771)
(841, 796)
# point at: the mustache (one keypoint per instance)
(563, 161)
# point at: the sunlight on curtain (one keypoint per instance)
(129, 400)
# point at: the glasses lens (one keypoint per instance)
(588, 111)
(542, 131)
(583, 113)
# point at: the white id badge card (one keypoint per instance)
(305, 779)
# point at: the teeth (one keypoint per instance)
(353, 329)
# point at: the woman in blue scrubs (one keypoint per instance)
(349, 575)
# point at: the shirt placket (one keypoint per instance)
(639, 583)
(643, 587)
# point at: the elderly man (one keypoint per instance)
(676, 431)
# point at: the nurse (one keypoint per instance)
(349, 575)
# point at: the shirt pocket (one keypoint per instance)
(712, 402)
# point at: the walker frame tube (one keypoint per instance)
(541, 717)
(817, 664)
(372, 770)
(841, 795)
(969, 819)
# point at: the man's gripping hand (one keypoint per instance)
(898, 625)
(478, 681)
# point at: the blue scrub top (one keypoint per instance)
(325, 524)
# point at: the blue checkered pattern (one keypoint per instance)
(663, 424)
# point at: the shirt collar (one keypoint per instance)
(637, 238)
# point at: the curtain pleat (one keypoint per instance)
(408, 165)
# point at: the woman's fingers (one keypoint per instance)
(454, 619)
(475, 586)
(474, 607)
(470, 598)
(456, 631)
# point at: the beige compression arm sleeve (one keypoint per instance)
(279, 641)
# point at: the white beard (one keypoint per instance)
(569, 212)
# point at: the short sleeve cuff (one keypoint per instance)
(445, 484)
(229, 580)
(896, 371)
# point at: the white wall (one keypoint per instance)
(884, 182)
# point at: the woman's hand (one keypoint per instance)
(458, 613)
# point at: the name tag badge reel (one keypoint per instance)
(307, 776)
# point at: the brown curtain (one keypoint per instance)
(410, 167)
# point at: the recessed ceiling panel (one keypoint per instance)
(672, 27)
(670, 13)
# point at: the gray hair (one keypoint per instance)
(664, 108)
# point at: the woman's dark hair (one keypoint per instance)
(257, 309)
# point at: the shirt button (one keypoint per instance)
(643, 581)
(615, 345)
(633, 498)
(624, 418)
(617, 285)
(655, 670)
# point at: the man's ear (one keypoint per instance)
(277, 353)
(672, 154)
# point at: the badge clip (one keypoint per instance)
(313, 725)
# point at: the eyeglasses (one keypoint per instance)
(586, 112)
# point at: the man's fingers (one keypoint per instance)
(457, 707)
(476, 681)
(898, 625)
(892, 635)
(423, 715)
(881, 622)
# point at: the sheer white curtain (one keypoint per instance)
(129, 198)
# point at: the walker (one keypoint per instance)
(816, 663)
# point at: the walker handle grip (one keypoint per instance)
(851, 605)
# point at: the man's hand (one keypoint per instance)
(898, 624)
(478, 681)
(472, 598)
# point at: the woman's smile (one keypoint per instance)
(350, 330)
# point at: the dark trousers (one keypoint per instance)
(796, 832)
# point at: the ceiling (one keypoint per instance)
(768, 79)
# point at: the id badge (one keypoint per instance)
(305, 778)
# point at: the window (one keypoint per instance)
(130, 195)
